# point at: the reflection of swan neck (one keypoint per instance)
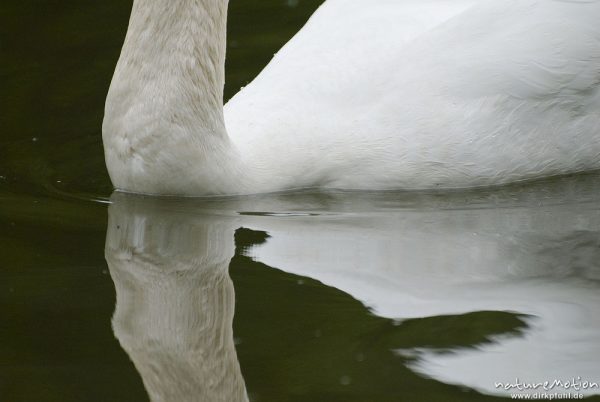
(177, 331)
(175, 301)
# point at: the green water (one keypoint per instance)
(296, 338)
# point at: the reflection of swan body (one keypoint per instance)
(175, 302)
(369, 95)
(537, 254)
(531, 250)
(541, 262)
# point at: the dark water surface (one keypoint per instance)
(286, 297)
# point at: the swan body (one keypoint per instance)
(385, 94)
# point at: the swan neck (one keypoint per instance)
(163, 128)
(179, 46)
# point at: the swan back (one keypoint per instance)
(458, 94)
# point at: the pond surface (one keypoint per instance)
(335, 296)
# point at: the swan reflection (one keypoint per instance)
(506, 280)
(175, 300)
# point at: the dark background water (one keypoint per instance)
(56, 295)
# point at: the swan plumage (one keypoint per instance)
(368, 95)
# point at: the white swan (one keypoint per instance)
(378, 94)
